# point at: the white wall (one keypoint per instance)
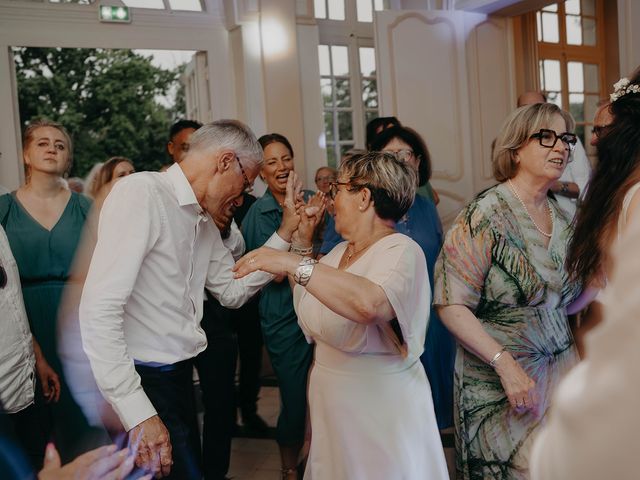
(629, 35)
(448, 75)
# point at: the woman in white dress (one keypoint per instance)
(365, 306)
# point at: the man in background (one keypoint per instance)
(179, 135)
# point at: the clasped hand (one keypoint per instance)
(299, 221)
(295, 210)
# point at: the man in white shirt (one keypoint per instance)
(157, 250)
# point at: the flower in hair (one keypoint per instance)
(623, 87)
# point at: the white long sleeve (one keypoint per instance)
(142, 300)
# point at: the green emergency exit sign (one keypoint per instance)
(114, 14)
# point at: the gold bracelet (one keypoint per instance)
(495, 358)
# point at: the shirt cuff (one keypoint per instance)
(275, 241)
(134, 409)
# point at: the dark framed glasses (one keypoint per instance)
(247, 184)
(600, 130)
(403, 155)
(333, 188)
(549, 138)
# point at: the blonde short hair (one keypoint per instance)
(392, 182)
(516, 132)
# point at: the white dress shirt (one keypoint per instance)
(17, 361)
(577, 171)
(235, 241)
(156, 252)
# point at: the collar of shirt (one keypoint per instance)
(182, 187)
(268, 203)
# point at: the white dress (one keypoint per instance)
(622, 225)
(371, 410)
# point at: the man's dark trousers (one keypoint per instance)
(170, 389)
(216, 369)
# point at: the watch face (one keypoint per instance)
(304, 271)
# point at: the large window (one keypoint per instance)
(347, 71)
(571, 59)
(347, 98)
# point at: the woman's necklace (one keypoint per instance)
(515, 192)
(354, 253)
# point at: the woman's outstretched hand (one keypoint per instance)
(292, 200)
(268, 260)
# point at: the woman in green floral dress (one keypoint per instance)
(502, 290)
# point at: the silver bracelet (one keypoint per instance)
(304, 271)
(299, 250)
(495, 358)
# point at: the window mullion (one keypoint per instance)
(356, 95)
(564, 82)
(334, 107)
(562, 25)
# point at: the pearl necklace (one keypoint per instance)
(515, 192)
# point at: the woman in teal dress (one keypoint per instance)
(502, 289)
(289, 352)
(43, 221)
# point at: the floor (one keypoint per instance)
(253, 458)
(258, 459)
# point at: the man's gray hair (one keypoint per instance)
(228, 135)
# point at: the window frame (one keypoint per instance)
(566, 53)
(352, 34)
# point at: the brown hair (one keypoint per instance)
(392, 182)
(618, 168)
(516, 131)
(105, 175)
